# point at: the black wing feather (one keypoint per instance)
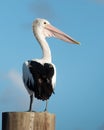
(42, 75)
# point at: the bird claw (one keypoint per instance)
(45, 110)
(30, 111)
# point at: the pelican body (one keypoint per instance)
(39, 75)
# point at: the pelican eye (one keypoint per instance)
(45, 23)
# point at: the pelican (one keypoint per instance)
(39, 75)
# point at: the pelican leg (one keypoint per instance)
(46, 106)
(31, 102)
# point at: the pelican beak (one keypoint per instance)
(59, 34)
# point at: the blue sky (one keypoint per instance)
(78, 101)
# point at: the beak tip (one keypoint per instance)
(78, 43)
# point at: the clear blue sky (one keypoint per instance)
(79, 94)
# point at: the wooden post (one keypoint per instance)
(28, 121)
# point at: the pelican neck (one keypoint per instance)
(46, 57)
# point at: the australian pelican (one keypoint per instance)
(39, 75)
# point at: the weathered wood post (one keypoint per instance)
(28, 121)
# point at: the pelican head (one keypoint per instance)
(44, 28)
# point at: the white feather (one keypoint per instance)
(27, 76)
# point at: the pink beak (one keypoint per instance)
(52, 31)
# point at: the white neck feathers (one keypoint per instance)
(45, 48)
